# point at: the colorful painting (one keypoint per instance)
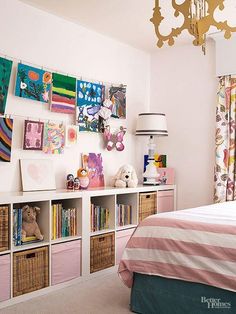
(63, 93)
(54, 138)
(33, 83)
(159, 161)
(93, 162)
(89, 100)
(5, 73)
(117, 95)
(33, 135)
(6, 127)
(37, 174)
(71, 135)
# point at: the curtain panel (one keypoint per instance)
(225, 138)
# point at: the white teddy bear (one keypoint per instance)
(125, 177)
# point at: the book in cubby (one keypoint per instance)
(102, 216)
(41, 218)
(126, 210)
(99, 218)
(4, 227)
(66, 218)
(123, 215)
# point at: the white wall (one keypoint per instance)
(184, 86)
(43, 39)
(225, 54)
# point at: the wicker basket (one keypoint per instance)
(102, 251)
(4, 228)
(30, 270)
(147, 204)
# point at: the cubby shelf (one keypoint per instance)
(65, 239)
(77, 246)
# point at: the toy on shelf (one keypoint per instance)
(114, 139)
(30, 227)
(82, 174)
(70, 182)
(126, 177)
(76, 184)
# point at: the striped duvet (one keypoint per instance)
(197, 245)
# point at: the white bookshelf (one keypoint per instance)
(107, 197)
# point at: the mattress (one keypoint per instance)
(196, 245)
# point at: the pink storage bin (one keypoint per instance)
(165, 201)
(122, 237)
(5, 277)
(66, 261)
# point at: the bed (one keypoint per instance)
(183, 262)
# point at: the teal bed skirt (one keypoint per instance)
(158, 295)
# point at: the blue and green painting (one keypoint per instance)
(5, 73)
(33, 83)
(89, 100)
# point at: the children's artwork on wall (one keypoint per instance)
(63, 93)
(37, 174)
(114, 139)
(33, 135)
(5, 73)
(33, 83)
(71, 135)
(6, 127)
(54, 138)
(89, 100)
(160, 161)
(117, 95)
(93, 162)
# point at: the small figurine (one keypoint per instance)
(82, 174)
(76, 184)
(70, 182)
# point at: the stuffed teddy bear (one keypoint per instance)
(125, 177)
(29, 223)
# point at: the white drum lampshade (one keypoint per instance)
(151, 124)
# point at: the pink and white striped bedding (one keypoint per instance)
(197, 245)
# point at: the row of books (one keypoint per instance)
(64, 221)
(123, 215)
(17, 229)
(99, 218)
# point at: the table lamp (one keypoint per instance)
(151, 124)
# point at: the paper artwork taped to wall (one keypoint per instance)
(33, 135)
(6, 127)
(93, 162)
(89, 100)
(71, 135)
(54, 138)
(37, 174)
(117, 95)
(160, 161)
(63, 93)
(5, 73)
(33, 83)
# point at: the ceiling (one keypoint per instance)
(124, 20)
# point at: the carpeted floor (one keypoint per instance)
(103, 295)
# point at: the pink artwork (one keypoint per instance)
(71, 135)
(114, 139)
(33, 135)
(93, 162)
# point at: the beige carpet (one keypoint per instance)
(103, 295)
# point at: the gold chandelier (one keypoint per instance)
(198, 17)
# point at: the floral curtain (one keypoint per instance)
(225, 138)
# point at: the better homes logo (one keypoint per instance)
(213, 303)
